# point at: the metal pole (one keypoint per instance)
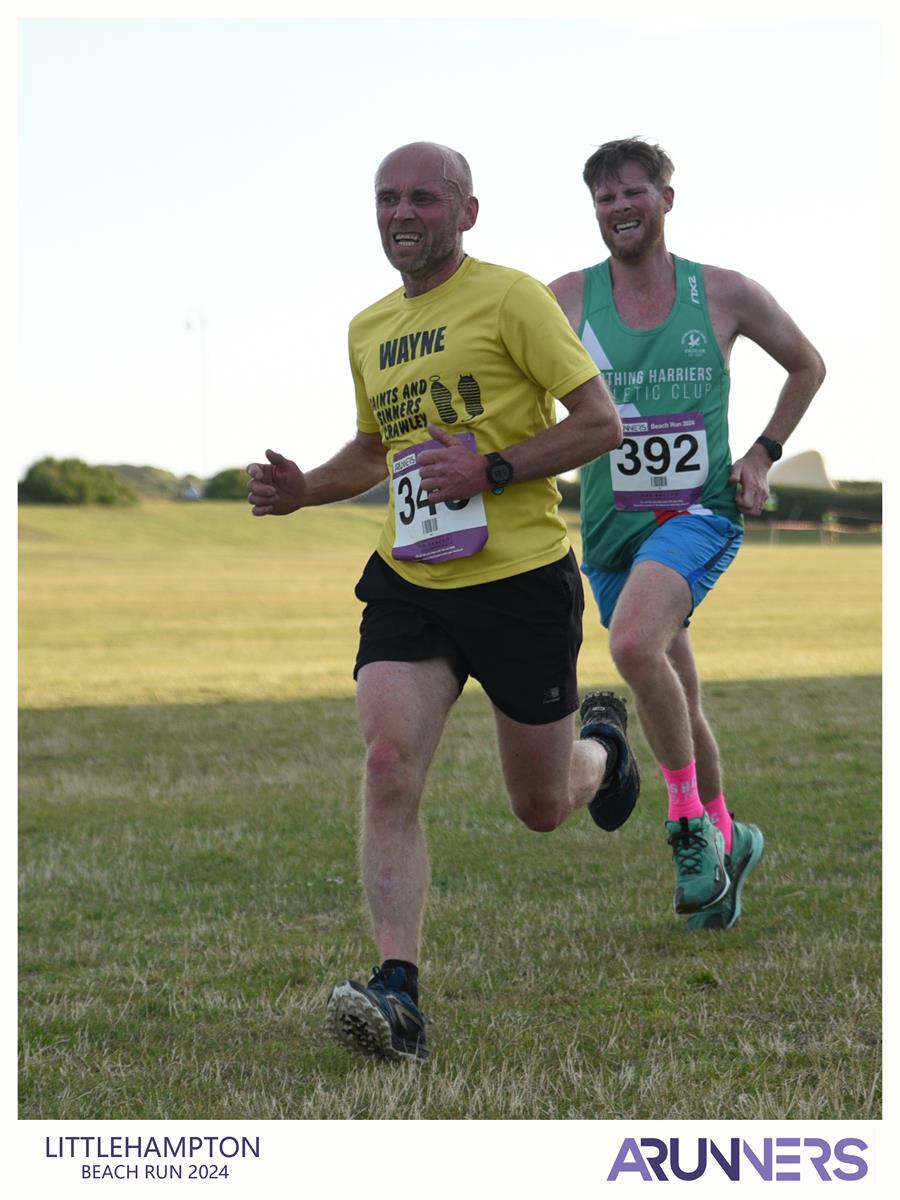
(196, 321)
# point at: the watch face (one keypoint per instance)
(500, 473)
(773, 448)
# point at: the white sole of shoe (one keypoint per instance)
(357, 1023)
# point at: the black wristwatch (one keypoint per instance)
(499, 472)
(773, 449)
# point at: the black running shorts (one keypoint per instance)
(519, 637)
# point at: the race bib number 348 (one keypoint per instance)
(428, 530)
(663, 462)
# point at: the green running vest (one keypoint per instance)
(671, 386)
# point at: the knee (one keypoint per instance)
(393, 779)
(384, 759)
(537, 814)
(632, 653)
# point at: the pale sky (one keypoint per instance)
(218, 173)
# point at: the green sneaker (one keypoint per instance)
(747, 844)
(699, 852)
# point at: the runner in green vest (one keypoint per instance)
(661, 516)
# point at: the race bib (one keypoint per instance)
(663, 462)
(433, 530)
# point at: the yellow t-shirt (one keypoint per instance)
(484, 353)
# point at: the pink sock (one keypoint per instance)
(684, 799)
(717, 811)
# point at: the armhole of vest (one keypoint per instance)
(592, 278)
(586, 293)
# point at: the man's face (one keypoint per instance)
(421, 215)
(631, 212)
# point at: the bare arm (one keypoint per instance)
(569, 292)
(592, 428)
(279, 486)
(748, 310)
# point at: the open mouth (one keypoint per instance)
(406, 239)
(624, 226)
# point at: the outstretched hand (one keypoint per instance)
(454, 472)
(277, 487)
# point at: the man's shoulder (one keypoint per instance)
(733, 297)
(377, 307)
(569, 292)
(568, 287)
(723, 285)
(489, 274)
(477, 273)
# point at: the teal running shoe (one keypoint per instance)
(699, 852)
(747, 844)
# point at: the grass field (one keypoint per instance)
(189, 798)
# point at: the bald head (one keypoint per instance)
(436, 161)
(424, 205)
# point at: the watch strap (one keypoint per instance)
(773, 449)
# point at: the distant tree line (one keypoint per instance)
(71, 481)
(227, 485)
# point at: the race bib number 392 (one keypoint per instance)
(427, 530)
(663, 462)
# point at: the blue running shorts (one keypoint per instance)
(699, 547)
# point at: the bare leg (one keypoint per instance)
(402, 710)
(548, 774)
(706, 751)
(648, 618)
(650, 647)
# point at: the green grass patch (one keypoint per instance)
(190, 765)
(196, 603)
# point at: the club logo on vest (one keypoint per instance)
(694, 343)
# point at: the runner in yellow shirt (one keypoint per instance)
(455, 376)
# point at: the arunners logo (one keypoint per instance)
(775, 1159)
(695, 289)
(411, 345)
(694, 343)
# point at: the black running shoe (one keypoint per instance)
(605, 718)
(380, 1020)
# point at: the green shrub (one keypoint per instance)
(230, 484)
(71, 481)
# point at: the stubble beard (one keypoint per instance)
(639, 248)
(429, 259)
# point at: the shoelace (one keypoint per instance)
(378, 980)
(687, 847)
(386, 981)
(600, 707)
